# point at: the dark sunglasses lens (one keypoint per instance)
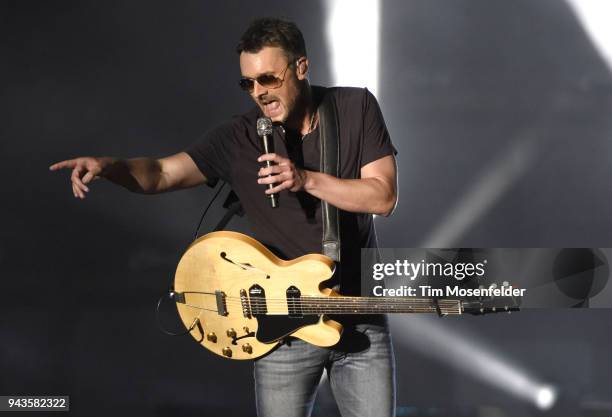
(269, 81)
(246, 84)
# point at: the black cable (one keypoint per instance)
(170, 293)
(195, 236)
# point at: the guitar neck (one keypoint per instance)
(373, 305)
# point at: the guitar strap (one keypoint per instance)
(330, 164)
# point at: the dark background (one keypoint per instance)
(469, 89)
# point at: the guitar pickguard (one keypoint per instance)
(274, 328)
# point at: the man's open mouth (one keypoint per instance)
(271, 108)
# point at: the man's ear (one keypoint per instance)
(302, 68)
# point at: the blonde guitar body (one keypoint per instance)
(239, 300)
(227, 283)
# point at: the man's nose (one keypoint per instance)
(258, 90)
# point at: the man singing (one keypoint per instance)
(274, 68)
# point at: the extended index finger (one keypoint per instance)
(69, 163)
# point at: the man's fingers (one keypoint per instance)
(70, 163)
(282, 186)
(77, 193)
(88, 177)
(76, 178)
(57, 166)
(273, 179)
(78, 185)
(266, 157)
(271, 157)
(274, 169)
(83, 187)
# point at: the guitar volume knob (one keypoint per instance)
(227, 352)
(211, 337)
(247, 348)
(231, 333)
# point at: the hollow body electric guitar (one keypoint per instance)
(238, 300)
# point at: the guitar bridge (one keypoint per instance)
(221, 305)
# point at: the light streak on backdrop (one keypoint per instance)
(353, 36)
(595, 18)
(492, 185)
(474, 358)
(502, 174)
(353, 39)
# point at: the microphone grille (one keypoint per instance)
(264, 126)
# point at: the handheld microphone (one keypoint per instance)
(264, 131)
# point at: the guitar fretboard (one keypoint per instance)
(366, 305)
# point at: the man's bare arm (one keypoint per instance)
(140, 175)
(375, 192)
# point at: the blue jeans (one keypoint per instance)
(361, 371)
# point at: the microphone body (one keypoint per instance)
(264, 131)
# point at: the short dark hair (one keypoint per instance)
(271, 31)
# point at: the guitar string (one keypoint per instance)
(327, 309)
(339, 311)
(325, 300)
(345, 309)
(332, 299)
(349, 305)
(323, 310)
(263, 303)
(331, 305)
(284, 312)
(326, 304)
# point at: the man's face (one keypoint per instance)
(276, 103)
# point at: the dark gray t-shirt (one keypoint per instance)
(230, 151)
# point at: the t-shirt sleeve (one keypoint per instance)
(376, 140)
(213, 153)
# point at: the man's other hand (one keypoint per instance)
(84, 169)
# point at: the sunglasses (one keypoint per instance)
(265, 80)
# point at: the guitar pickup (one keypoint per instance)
(293, 302)
(221, 305)
(257, 296)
